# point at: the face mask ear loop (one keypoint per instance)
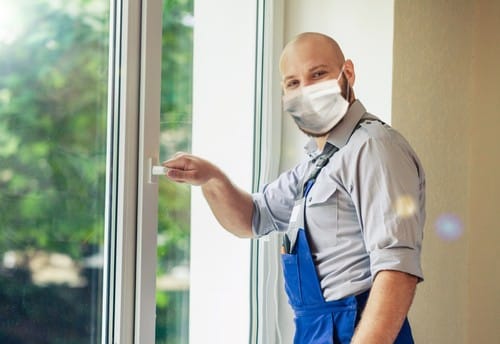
(348, 89)
(346, 81)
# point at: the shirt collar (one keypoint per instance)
(341, 133)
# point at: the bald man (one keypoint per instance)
(352, 212)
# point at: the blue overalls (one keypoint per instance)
(316, 320)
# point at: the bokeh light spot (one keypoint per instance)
(405, 206)
(449, 227)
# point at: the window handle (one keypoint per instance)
(155, 170)
(159, 170)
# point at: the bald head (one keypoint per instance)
(314, 57)
(311, 43)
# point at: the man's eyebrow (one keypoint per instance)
(318, 66)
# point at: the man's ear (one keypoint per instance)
(349, 72)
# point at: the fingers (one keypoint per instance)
(181, 176)
(186, 168)
(180, 161)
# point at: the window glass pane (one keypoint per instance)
(172, 295)
(53, 100)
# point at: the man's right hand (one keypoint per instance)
(187, 168)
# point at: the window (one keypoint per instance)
(53, 99)
(93, 248)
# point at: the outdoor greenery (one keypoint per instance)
(172, 310)
(53, 127)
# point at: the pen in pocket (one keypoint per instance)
(286, 244)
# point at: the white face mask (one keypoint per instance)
(317, 108)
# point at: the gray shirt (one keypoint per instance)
(366, 211)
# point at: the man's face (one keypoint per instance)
(307, 62)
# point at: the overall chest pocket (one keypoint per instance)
(322, 214)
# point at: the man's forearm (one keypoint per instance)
(387, 306)
(231, 206)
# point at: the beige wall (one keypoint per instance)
(446, 86)
(484, 185)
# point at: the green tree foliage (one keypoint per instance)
(53, 79)
(176, 108)
(53, 99)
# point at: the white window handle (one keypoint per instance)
(155, 170)
(158, 170)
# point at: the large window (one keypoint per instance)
(93, 248)
(53, 99)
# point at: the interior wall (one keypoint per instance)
(484, 186)
(445, 93)
(432, 88)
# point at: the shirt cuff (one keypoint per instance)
(262, 222)
(398, 259)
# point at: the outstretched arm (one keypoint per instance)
(231, 205)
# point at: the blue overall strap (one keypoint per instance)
(321, 162)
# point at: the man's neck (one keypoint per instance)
(321, 141)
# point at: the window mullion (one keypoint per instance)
(123, 173)
(149, 145)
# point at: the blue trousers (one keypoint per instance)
(318, 321)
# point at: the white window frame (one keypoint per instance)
(266, 275)
(129, 286)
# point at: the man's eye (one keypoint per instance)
(318, 74)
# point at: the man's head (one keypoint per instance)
(313, 57)
(310, 59)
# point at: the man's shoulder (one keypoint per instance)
(372, 131)
(370, 127)
(374, 124)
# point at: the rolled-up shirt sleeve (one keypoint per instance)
(389, 192)
(273, 205)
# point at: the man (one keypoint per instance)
(353, 211)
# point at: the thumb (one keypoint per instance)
(179, 161)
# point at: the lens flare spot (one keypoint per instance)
(449, 227)
(405, 206)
